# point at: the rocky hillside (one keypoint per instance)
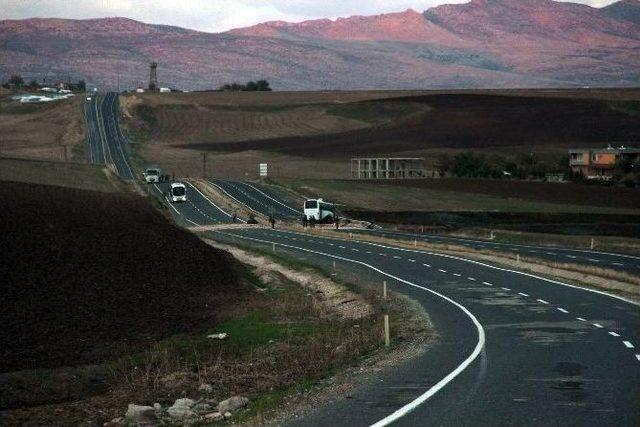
(483, 43)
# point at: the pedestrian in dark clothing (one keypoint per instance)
(272, 220)
(305, 221)
(337, 223)
(312, 222)
(234, 217)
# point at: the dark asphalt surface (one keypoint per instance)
(263, 199)
(613, 261)
(107, 144)
(260, 198)
(553, 354)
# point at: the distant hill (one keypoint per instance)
(483, 43)
(626, 10)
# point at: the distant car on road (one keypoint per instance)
(153, 175)
(177, 192)
(319, 210)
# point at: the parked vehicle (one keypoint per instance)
(177, 192)
(319, 210)
(153, 175)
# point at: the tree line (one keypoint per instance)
(18, 82)
(257, 86)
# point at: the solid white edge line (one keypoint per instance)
(231, 197)
(627, 344)
(174, 208)
(271, 198)
(210, 201)
(399, 413)
(484, 265)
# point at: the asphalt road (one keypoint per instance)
(263, 199)
(513, 349)
(107, 144)
(259, 198)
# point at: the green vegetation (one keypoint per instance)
(257, 86)
(374, 112)
(147, 114)
(471, 165)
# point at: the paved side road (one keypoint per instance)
(107, 144)
(541, 354)
(513, 349)
(261, 198)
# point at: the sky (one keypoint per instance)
(217, 15)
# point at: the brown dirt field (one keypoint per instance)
(40, 131)
(87, 276)
(569, 193)
(469, 122)
(62, 174)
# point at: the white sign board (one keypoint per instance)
(263, 170)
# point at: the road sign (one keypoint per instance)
(263, 170)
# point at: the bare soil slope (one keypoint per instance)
(87, 275)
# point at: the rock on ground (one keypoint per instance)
(182, 408)
(141, 415)
(232, 404)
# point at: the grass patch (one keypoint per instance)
(16, 107)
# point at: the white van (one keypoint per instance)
(178, 192)
(319, 210)
(153, 175)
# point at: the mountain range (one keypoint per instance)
(480, 44)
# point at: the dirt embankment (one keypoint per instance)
(87, 275)
(42, 131)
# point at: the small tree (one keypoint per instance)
(33, 84)
(16, 80)
(81, 86)
(263, 85)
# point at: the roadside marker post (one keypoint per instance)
(274, 248)
(593, 243)
(387, 340)
(518, 258)
(335, 273)
(384, 289)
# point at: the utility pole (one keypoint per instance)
(204, 164)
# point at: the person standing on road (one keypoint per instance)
(305, 221)
(234, 217)
(272, 221)
(312, 222)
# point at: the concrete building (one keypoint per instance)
(600, 163)
(388, 168)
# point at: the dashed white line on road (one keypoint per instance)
(638, 356)
(613, 334)
(542, 301)
(341, 247)
(581, 319)
(506, 289)
(593, 260)
(396, 257)
(487, 283)
(355, 250)
(472, 279)
(457, 274)
(562, 310)
(427, 265)
(551, 253)
(442, 271)
(330, 244)
(369, 252)
(619, 264)
(598, 325)
(523, 294)
(627, 344)
(381, 254)
(411, 260)
(571, 256)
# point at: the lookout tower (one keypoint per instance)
(153, 76)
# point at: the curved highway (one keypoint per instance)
(513, 348)
(253, 195)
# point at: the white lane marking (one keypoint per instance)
(457, 274)
(353, 249)
(411, 260)
(219, 187)
(472, 279)
(442, 271)
(211, 202)
(506, 289)
(330, 244)
(571, 256)
(638, 356)
(369, 252)
(487, 283)
(427, 265)
(614, 334)
(581, 319)
(533, 252)
(523, 294)
(396, 257)
(444, 381)
(269, 197)
(593, 260)
(381, 254)
(598, 325)
(627, 344)
(551, 253)
(342, 247)
(562, 310)
(542, 301)
(619, 264)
